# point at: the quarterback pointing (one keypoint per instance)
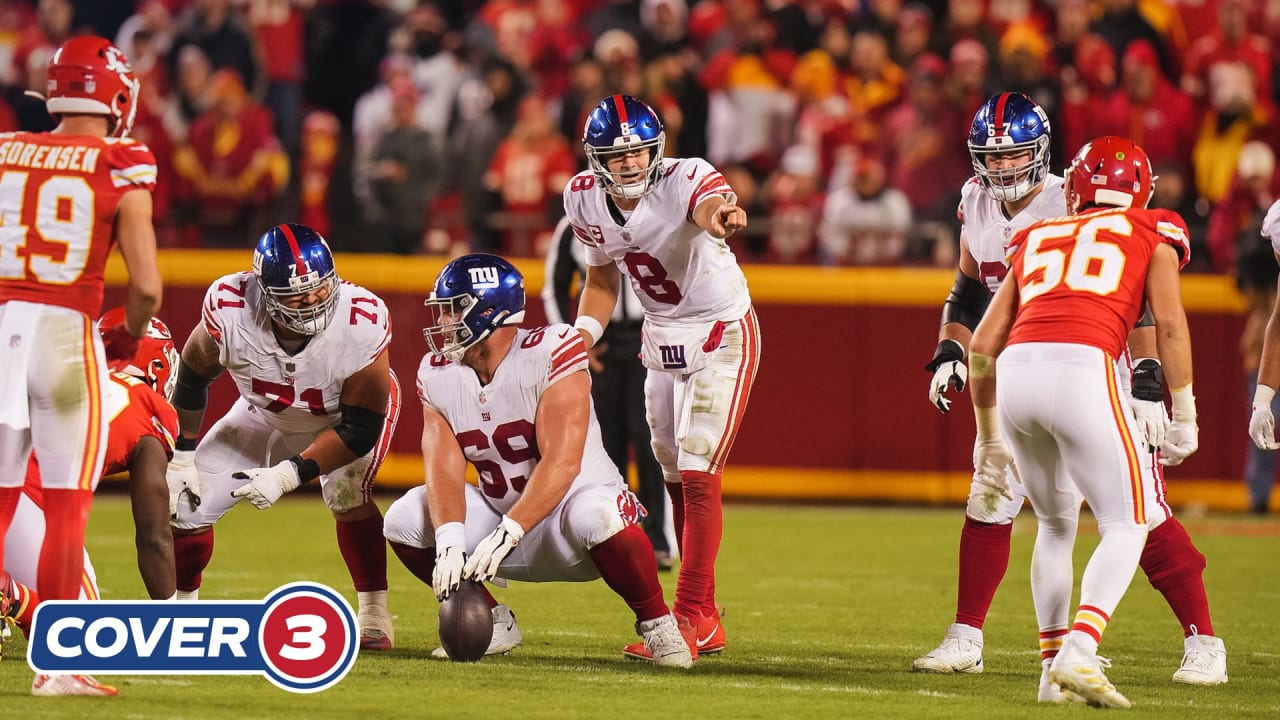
(663, 222)
(318, 400)
(1011, 190)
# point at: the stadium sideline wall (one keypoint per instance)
(839, 410)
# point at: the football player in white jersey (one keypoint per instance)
(1012, 189)
(308, 354)
(550, 504)
(663, 223)
(1262, 422)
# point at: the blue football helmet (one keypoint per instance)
(473, 296)
(622, 124)
(292, 260)
(1010, 123)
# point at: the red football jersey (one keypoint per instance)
(136, 412)
(58, 199)
(1083, 279)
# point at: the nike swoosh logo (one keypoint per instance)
(707, 639)
(692, 173)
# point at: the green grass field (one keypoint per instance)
(827, 606)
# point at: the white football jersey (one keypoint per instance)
(298, 393)
(494, 423)
(679, 271)
(1271, 226)
(987, 231)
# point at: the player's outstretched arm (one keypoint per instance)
(1147, 383)
(961, 313)
(991, 457)
(149, 497)
(445, 468)
(136, 238)
(197, 369)
(1173, 341)
(719, 217)
(1262, 425)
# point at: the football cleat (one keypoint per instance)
(1050, 691)
(1079, 672)
(710, 635)
(667, 646)
(506, 635)
(960, 652)
(1204, 662)
(50, 685)
(643, 651)
(376, 631)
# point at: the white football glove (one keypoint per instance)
(1180, 441)
(266, 485)
(1153, 421)
(949, 371)
(447, 574)
(183, 479)
(1262, 428)
(991, 461)
(489, 554)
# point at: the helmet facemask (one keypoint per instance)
(303, 319)
(1012, 183)
(460, 321)
(598, 161)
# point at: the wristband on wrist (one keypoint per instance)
(307, 470)
(451, 534)
(987, 422)
(1263, 394)
(591, 326)
(185, 444)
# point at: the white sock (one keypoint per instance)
(187, 594)
(373, 599)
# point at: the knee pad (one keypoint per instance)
(343, 489)
(406, 521)
(593, 516)
(985, 505)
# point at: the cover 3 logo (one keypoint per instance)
(302, 637)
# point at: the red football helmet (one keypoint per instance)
(156, 360)
(1109, 170)
(90, 75)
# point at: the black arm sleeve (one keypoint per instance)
(967, 302)
(190, 390)
(565, 270)
(360, 428)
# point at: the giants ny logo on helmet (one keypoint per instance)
(302, 637)
(483, 277)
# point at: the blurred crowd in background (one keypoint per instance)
(441, 126)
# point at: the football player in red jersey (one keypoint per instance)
(67, 197)
(1078, 286)
(143, 426)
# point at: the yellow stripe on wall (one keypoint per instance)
(770, 284)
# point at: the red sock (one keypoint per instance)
(22, 602)
(61, 569)
(1176, 568)
(192, 554)
(703, 525)
(9, 497)
(984, 558)
(676, 491)
(364, 550)
(628, 567)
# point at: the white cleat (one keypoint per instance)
(1204, 662)
(1050, 691)
(506, 634)
(960, 652)
(1081, 673)
(85, 685)
(376, 631)
(665, 643)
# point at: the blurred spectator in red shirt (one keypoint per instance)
(928, 158)
(232, 169)
(35, 49)
(970, 84)
(1231, 42)
(1148, 109)
(277, 27)
(750, 112)
(1254, 188)
(529, 169)
(1024, 58)
(913, 34)
(320, 132)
